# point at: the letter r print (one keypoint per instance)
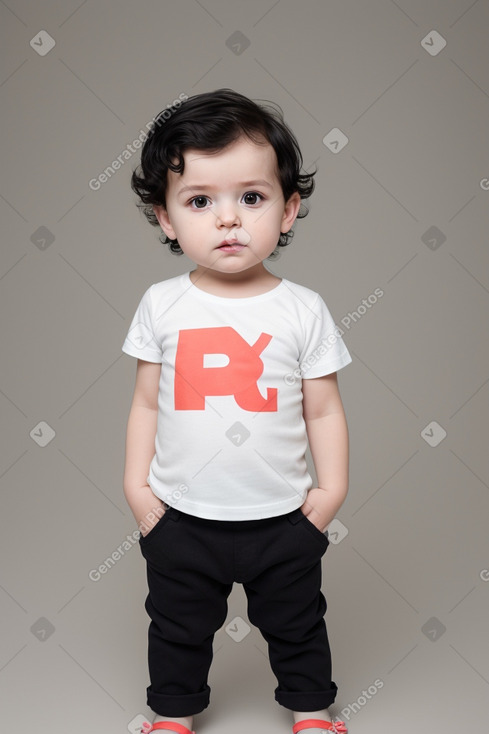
(194, 381)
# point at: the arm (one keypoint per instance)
(327, 432)
(140, 447)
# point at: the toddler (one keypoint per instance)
(236, 375)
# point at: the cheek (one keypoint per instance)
(183, 223)
(192, 219)
(273, 222)
(275, 214)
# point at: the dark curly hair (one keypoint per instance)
(211, 121)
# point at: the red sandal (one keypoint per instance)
(168, 725)
(339, 727)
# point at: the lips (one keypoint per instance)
(230, 241)
(231, 246)
(237, 238)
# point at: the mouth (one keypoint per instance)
(230, 246)
(236, 240)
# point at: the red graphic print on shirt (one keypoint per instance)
(194, 381)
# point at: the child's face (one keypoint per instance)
(233, 196)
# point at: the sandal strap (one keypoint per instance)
(172, 726)
(338, 727)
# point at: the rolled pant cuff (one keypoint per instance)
(313, 701)
(183, 705)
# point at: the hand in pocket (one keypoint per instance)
(147, 522)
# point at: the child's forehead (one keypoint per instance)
(242, 156)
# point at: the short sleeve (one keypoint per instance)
(324, 350)
(141, 341)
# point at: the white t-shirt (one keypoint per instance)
(231, 439)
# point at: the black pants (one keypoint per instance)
(191, 566)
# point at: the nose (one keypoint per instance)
(227, 215)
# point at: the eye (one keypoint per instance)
(199, 202)
(252, 197)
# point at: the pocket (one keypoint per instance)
(156, 529)
(319, 535)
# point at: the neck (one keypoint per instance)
(249, 282)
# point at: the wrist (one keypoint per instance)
(321, 506)
(148, 520)
(146, 507)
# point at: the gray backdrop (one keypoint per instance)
(401, 207)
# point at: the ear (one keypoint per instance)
(164, 221)
(291, 211)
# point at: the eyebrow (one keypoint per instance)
(204, 187)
